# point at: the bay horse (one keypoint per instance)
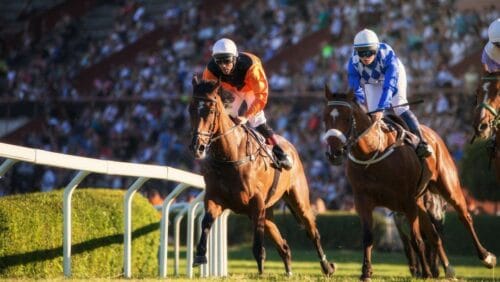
(487, 116)
(383, 171)
(239, 175)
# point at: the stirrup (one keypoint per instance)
(282, 158)
(423, 150)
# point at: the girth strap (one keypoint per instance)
(277, 173)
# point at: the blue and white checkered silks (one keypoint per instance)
(491, 57)
(380, 84)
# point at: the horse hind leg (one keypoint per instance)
(304, 214)
(435, 252)
(280, 243)
(449, 187)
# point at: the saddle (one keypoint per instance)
(262, 144)
(395, 123)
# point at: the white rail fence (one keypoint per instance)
(217, 247)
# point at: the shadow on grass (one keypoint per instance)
(41, 255)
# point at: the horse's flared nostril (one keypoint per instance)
(482, 127)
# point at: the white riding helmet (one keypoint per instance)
(366, 39)
(494, 31)
(224, 47)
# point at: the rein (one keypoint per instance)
(250, 156)
(350, 139)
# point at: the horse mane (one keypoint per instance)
(205, 87)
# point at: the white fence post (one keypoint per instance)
(127, 235)
(68, 193)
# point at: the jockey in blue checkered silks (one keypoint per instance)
(378, 79)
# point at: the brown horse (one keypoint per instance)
(385, 172)
(487, 115)
(239, 175)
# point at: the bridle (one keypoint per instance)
(250, 156)
(347, 139)
(352, 137)
(210, 133)
(495, 122)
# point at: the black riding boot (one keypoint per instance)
(282, 158)
(423, 150)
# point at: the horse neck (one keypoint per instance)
(229, 145)
(371, 138)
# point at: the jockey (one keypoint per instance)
(378, 79)
(242, 75)
(491, 52)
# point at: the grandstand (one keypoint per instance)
(109, 79)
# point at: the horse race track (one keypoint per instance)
(386, 267)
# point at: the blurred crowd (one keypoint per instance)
(146, 121)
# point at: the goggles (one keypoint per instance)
(366, 53)
(223, 61)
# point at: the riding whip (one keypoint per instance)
(401, 105)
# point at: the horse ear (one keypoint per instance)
(328, 92)
(195, 80)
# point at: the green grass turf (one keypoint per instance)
(305, 267)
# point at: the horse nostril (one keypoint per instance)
(201, 148)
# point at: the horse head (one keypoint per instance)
(338, 116)
(204, 110)
(487, 111)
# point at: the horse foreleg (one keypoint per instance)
(259, 220)
(418, 243)
(212, 211)
(280, 243)
(367, 228)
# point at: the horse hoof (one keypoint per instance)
(199, 260)
(328, 268)
(366, 279)
(450, 272)
(490, 261)
(289, 274)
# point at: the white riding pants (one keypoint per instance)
(258, 119)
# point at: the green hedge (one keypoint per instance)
(31, 228)
(477, 174)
